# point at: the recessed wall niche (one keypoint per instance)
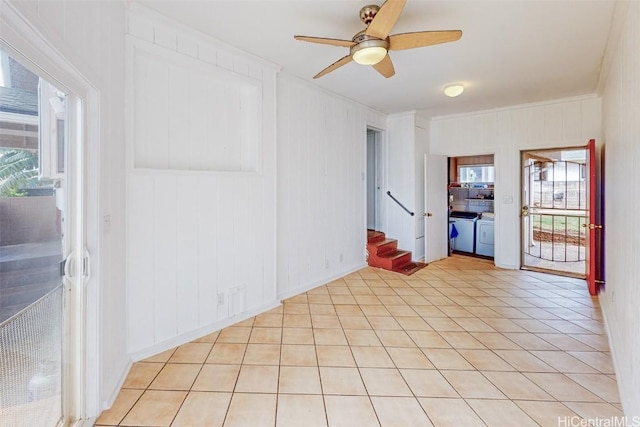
(190, 115)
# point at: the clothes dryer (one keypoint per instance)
(485, 237)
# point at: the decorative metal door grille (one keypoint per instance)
(555, 213)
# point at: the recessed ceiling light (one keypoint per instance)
(453, 90)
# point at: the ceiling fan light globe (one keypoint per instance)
(453, 90)
(370, 55)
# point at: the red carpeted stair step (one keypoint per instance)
(392, 260)
(410, 268)
(375, 236)
(382, 247)
(384, 253)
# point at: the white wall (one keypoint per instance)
(321, 185)
(621, 297)
(504, 133)
(197, 232)
(91, 41)
(401, 181)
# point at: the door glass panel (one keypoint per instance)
(32, 146)
(554, 211)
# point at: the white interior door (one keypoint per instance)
(436, 227)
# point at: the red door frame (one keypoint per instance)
(592, 257)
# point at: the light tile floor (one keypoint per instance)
(460, 343)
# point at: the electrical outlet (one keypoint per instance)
(220, 299)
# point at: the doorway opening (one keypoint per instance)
(555, 204)
(471, 205)
(374, 179)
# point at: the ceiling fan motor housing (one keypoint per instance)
(368, 12)
(364, 41)
(368, 50)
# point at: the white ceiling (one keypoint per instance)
(511, 51)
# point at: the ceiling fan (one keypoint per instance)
(371, 46)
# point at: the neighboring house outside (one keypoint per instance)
(18, 105)
(30, 223)
(18, 126)
(23, 219)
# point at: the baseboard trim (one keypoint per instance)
(200, 332)
(106, 404)
(304, 288)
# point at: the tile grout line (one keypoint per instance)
(398, 369)
(456, 290)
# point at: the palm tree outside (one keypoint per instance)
(18, 172)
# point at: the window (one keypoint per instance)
(476, 173)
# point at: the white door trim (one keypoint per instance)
(379, 136)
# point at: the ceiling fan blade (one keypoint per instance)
(339, 63)
(422, 38)
(385, 67)
(324, 40)
(385, 19)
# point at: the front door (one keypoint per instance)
(592, 227)
(436, 210)
(558, 194)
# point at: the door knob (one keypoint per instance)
(592, 226)
(427, 214)
(524, 211)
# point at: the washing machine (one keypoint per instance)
(465, 224)
(485, 236)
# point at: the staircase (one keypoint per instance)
(384, 253)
